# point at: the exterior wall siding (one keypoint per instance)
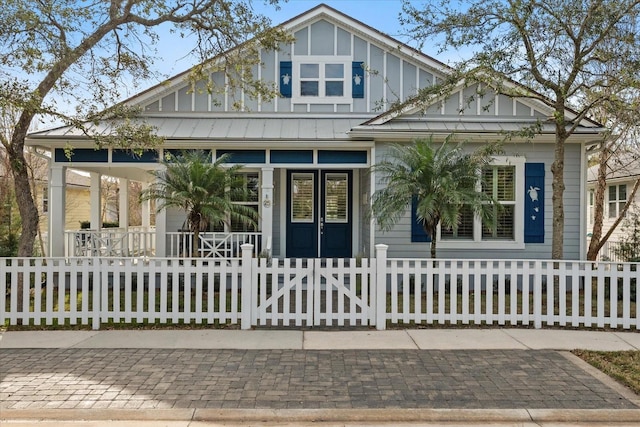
(399, 239)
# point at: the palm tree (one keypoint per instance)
(205, 190)
(443, 179)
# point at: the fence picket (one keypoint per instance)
(575, 295)
(613, 296)
(514, 274)
(319, 292)
(600, 295)
(626, 296)
(562, 294)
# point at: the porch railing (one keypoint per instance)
(616, 251)
(213, 245)
(142, 243)
(293, 292)
(110, 243)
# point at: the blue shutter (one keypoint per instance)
(286, 78)
(417, 230)
(534, 203)
(357, 80)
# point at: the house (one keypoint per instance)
(307, 153)
(77, 191)
(623, 172)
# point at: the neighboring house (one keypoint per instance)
(76, 193)
(307, 153)
(622, 174)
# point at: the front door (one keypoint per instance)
(319, 218)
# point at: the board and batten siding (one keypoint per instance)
(399, 239)
(391, 74)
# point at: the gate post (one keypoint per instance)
(247, 286)
(381, 286)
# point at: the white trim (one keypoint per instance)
(321, 61)
(585, 210)
(477, 242)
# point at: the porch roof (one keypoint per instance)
(252, 127)
(414, 126)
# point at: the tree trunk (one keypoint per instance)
(557, 168)
(24, 199)
(598, 205)
(432, 235)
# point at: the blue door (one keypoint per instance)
(319, 217)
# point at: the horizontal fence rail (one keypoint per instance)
(255, 291)
(91, 291)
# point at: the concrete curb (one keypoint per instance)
(464, 416)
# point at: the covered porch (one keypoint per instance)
(154, 233)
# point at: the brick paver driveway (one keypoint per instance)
(283, 379)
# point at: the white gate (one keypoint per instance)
(312, 292)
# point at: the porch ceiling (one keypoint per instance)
(125, 172)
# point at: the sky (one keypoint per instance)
(382, 15)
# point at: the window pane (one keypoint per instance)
(622, 192)
(251, 186)
(334, 71)
(612, 192)
(309, 88)
(505, 183)
(302, 198)
(309, 71)
(238, 226)
(613, 212)
(336, 188)
(499, 182)
(334, 89)
(504, 226)
(465, 227)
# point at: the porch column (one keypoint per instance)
(266, 223)
(161, 233)
(123, 205)
(96, 201)
(57, 207)
(145, 207)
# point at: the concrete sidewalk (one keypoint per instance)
(291, 377)
(406, 339)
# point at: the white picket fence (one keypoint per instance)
(318, 292)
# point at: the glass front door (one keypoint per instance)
(319, 217)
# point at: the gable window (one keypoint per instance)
(321, 79)
(617, 199)
(500, 181)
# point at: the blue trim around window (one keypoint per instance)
(342, 157)
(534, 203)
(291, 156)
(84, 155)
